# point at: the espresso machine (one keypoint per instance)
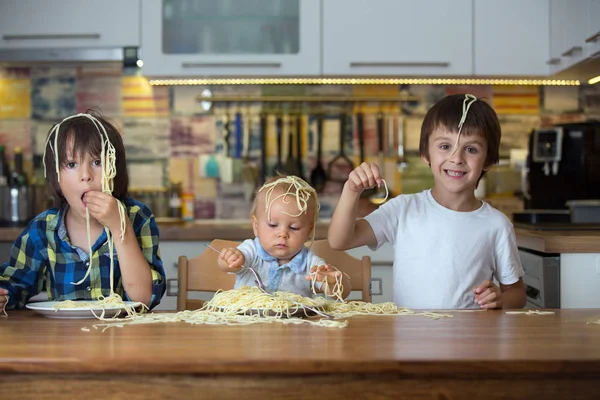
(563, 165)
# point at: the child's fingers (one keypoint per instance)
(3, 291)
(482, 286)
(488, 297)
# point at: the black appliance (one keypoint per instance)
(563, 164)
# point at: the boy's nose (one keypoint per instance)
(86, 174)
(282, 233)
(457, 158)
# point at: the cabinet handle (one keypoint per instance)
(52, 36)
(553, 61)
(356, 64)
(593, 38)
(574, 49)
(231, 65)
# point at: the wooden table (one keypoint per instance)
(475, 355)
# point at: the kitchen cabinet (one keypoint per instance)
(231, 37)
(574, 32)
(511, 37)
(34, 24)
(397, 37)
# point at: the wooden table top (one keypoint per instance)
(477, 343)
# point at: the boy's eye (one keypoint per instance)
(472, 150)
(271, 225)
(444, 147)
(294, 228)
(97, 163)
(70, 164)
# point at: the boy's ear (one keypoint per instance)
(425, 159)
(255, 225)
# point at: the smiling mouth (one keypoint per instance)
(454, 174)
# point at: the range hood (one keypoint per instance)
(45, 55)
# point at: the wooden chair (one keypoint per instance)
(359, 271)
(202, 273)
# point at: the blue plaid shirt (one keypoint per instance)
(43, 250)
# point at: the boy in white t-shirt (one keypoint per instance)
(448, 244)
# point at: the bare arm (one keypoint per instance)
(345, 231)
(513, 296)
(136, 274)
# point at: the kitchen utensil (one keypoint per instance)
(299, 164)
(279, 167)
(263, 147)
(226, 164)
(318, 176)
(263, 288)
(379, 197)
(341, 162)
(237, 150)
(360, 128)
(291, 166)
(401, 161)
(249, 172)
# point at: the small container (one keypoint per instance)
(584, 211)
(187, 206)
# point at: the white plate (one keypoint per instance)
(46, 308)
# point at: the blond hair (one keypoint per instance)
(291, 186)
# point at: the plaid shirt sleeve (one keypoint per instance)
(147, 235)
(20, 275)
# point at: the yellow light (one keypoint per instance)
(367, 81)
(594, 80)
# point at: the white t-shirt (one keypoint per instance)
(440, 255)
(288, 277)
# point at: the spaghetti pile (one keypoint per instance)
(248, 305)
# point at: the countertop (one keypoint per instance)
(472, 353)
(548, 241)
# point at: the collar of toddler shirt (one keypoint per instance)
(297, 264)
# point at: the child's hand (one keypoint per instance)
(3, 300)
(488, 295)
(103, 207)
(365, 176)
(233, 257)
(325, 273)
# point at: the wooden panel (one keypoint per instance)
(479, 344)
(338, 387)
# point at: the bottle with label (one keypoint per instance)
(175, 200)
(187, 206)
(4, 172)
(17, 176)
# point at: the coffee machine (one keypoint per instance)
(563, 164)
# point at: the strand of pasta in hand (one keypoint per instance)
(338, 288)
(4, 307)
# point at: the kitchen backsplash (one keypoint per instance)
(171, 137)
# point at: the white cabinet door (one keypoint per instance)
(30, 24)
(397, 37)
(231, 37)
(575, 29)
(511, 37)
(593, 29)
(557, 38)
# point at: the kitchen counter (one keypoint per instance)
(559, 241)
(472, 355)
(175, 230)
(546, 241)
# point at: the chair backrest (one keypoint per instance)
(202, 274)
(359, 271)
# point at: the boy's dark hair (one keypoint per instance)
(86, 139)
(481, 120)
